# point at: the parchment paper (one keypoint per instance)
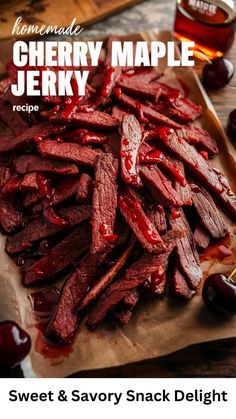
(159, 325)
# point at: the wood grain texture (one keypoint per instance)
(46, 12)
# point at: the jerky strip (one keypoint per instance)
(179, 286)
(159, 186)
(37, 229)
(208, 213)
(134, 276)
(29, 183)
(186, 252)
(66, 189)
(201, 237)
(149, 113)
(157, 216)
(60, 256)
(125, 309)
(68, 151)
(198, 137)
(12, 142)
(131, 138)
(85, 188)
(145, 231)
(29, 163)
(10, 216)
(97, 120)
(104, 202)
(182, 188)
(140, 89)
(156, 283)
(106, 279)
(65, 320)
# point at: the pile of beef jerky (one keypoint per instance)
(111, 191)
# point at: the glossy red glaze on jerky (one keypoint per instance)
(158, 157)
(44, 187)
(175, 214)
(219, 294)
(26, 245)
(44, 302)
(104, 196)
(110, 238)
(117, 92)
(131, 138)
(147, 231)
(140, 113)
(75, 88)
(195, 188)
(94, 138)
(52, 217)
(151, 114)
(46, 193)
(85, 137)
(108, 81)
(156, 283)
(198, 137)
(103, 228)
(15, 344)
(204, 154)
(76, 134)
(69, 110)
(179, 176)
(130, 205)
(154, 156)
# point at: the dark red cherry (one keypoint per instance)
(15, 344)
(218, 73)
(219, 294)
(231, 125)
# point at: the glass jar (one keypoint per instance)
(210, 24)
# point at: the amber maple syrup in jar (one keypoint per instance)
(210, 24)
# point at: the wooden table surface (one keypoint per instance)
(212, 359)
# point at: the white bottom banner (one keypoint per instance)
(32, 398)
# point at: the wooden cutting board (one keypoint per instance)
(54, 12)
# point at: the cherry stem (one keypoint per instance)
(230, 278)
